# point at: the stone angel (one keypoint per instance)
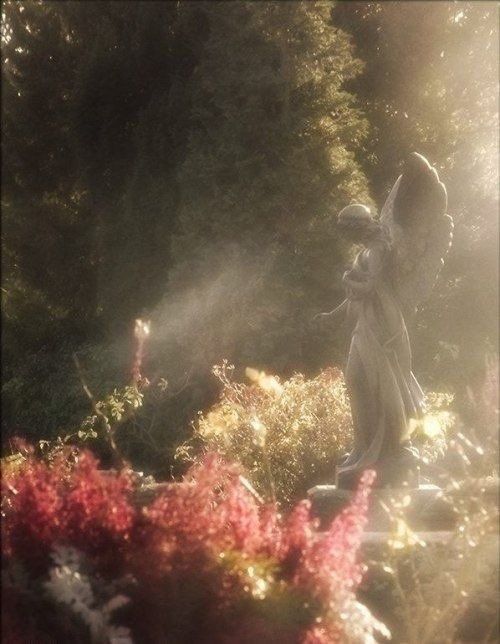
(403, 251)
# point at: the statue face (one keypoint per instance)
(358, 230)
(356, 235)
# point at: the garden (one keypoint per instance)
(175, 418)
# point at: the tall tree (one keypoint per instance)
(270, 163)
(47, 277)
(48, 286)
(94, 123)
(131, 122)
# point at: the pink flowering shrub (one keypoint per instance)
(204, 561)
(44, 505)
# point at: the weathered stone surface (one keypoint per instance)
(426, 510)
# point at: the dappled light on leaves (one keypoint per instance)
(288, 432)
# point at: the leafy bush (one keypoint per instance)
(288, 435)
(435, 588)
(446, 589)
(220, 567)
(43, 397)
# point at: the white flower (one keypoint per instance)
(68, 586)
(360, 626)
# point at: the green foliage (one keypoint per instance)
(290, 435)
(44, 397)
(131, 121)
(117, 404)
(47, 228)
(270, 161)
(92, 136)
(287, 435)
(442, 586)
(48, 290)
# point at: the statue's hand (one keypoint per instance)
(322, 320)
(318, 322)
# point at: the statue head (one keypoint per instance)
(356, 223)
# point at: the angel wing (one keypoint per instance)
(421, 232)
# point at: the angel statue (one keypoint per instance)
(402, 255)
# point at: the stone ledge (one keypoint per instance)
(431, 537)
(427, 510)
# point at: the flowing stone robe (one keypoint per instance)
(383, 391)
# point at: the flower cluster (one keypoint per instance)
(46, 504)
(330, 563)
(67, 585)
(210, 507)
(203, 561)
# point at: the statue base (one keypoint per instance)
(400, 469)
(425, 509)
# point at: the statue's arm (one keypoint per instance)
(331, 314)
(357, 287)
(362, 283)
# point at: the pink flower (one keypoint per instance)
(84, 507)
(206, 533)
(328, 563)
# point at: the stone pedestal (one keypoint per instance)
(426, 510)
(401, 468)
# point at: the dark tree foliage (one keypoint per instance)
(47, 270)
(132, 118)
(94, 120)
(270, 162)
(48, 283)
